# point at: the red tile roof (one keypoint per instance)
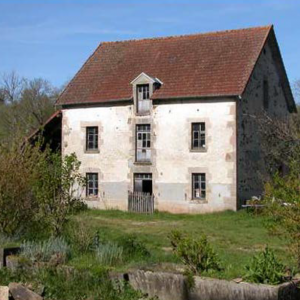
(199, 65)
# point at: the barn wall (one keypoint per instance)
(252, 172)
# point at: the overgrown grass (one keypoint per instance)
(65, 284)
(236, 237)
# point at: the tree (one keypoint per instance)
(37, 187)
(281, 145)
(27, 105)
(57, 189)
(282, 198)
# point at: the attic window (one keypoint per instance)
(143, 91)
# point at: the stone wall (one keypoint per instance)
(251, 165)
(168, 286)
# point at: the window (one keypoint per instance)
(143, 91)
(198, 135)
(92, 138)
(143, 143)
(266, 94)
(199, 186)
(143, 98)
(92, 184)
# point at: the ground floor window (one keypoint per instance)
(92, 184)
(199, 186)
(143, 183)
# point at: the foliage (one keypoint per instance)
(109, 254)
(36, 187)
(67, 283)
(17, 171)
(265, 268)
(25, 105)
(43, 251)
(79, 236)
(133, 247)
(57, 189)
(197, 254)
(282, 200)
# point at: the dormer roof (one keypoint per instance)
(143, 78)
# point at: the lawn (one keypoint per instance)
(235, 236)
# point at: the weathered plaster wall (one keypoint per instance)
(251, 166)
(173, 162)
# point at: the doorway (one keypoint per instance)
(143, 183)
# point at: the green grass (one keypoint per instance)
(236, 237)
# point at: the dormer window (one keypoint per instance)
(143, 92)
(143, 98)
(143, 88)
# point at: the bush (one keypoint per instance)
(57, 189)
(17, 169)
(45, 250)
(196, 254)
(133, 248)
(282, 199)
(109, 254)
(37, 186)
(265, 268)
(79, 236)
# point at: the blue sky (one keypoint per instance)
(52, 39)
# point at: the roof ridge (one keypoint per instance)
(188, 35)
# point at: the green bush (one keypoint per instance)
(196, 254)
(265, 268)
(79, 236)
(37, 187)
(109, 254)
(133, 247)
(45, 250)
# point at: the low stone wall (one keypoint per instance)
(5, 252)
(169, 286)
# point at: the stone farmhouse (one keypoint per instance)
(172, 117)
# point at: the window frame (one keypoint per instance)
(95, 183)
(94, 141)
(200, 132)
(147, 140)
(200, 181)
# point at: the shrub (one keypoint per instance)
(45, 250)
(37, 186)
(79, 236)
(57, 189)
(282, 199)
(265, 268)
(196, 254)
(17, 168)
(133, 248)
(109, 254)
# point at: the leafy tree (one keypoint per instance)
(17, 206)
(26, 105)
(282, 198)
(57, 189)
(37, 187)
